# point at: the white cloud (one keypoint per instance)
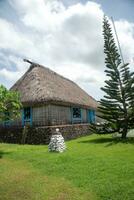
(11, 69)
(9, 75)
(67, 39)
(126, 37)
(11, 38)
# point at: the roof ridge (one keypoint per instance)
(47, 68)
(62, 77)
(34, 64)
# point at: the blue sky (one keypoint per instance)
(119, 9)
(65, 36)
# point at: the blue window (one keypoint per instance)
(76, 115)
(27, 116)
(91, 116)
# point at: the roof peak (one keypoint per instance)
(34, 64)
(41, 84)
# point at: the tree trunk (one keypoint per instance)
(124, 133)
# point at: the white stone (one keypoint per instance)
(57, 143)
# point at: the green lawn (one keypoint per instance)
(93, 167)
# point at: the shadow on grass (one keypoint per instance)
(108, 141)
(2, 153)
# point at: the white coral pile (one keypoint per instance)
(57, 143)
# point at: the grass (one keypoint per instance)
(92, 168)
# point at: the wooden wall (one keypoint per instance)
(55, 115)
(40, 115)
(59, 114)
(84, 115)
(49, 114)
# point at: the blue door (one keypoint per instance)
(27, 116)
(91, 116)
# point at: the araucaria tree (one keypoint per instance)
(117, 105)
(10, 104)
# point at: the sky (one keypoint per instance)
(63, 35)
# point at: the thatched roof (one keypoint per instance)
(42, 85)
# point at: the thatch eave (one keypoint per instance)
(55, 102)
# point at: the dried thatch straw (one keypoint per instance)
(41, 85)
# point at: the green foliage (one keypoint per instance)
(117, 106)
(10, 104)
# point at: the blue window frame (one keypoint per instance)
(91, 116)
(76, 115)
(27, 116)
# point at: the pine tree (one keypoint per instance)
(117, 105)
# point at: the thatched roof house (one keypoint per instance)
(49, 98)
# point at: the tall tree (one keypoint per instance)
(10, 104)
(117, 105)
